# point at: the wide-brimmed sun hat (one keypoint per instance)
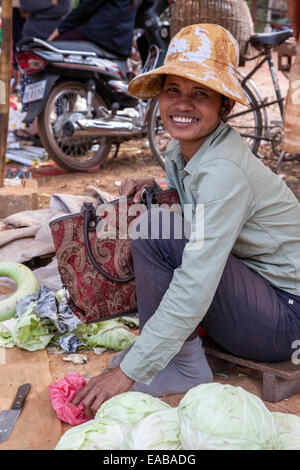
(205, 53)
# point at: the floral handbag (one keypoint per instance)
(98, 272)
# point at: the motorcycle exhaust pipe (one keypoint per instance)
(99, 128)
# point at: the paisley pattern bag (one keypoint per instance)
(98, 273)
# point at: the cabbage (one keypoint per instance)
(113, 421)
(110, 334)
(92, 435)
(289, 431)
(158, 431)
(31, 332)
(217, 416)
(5, 333)
(129, 408)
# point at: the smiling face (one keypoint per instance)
(190, 112)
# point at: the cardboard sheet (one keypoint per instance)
(37, 427)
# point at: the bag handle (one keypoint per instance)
(89, 215)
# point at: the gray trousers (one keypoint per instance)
(247, 317)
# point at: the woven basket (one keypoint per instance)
(233, 15)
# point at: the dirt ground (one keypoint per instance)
(134, 160)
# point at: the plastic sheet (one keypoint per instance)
(61, 394)
(48, 307)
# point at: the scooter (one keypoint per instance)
(79, 95)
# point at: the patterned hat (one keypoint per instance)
(205, 53)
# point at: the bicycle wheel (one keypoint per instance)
(247, 121)
(157, 134)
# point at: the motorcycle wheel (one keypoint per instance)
(157, 134)
(70, 153)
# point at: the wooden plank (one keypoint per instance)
(5, 75)
(285, 369)
(280, 380)
(276, 389)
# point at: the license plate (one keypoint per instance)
(34, 91)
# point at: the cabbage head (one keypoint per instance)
(158, 431)
(92, 435)
(289, 430)
(110, 334)
(113, 421)
(129, 408)
(225, 417)
(32, 332)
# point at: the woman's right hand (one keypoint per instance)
(134, 187)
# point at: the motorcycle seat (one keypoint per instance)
(87, 46)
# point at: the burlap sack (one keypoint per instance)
(233, 15)
(291, 119)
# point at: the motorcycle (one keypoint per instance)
(79, 95)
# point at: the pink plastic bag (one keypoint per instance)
(62, 393)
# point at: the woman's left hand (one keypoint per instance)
(101, 388)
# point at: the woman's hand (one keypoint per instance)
(134, 187)
(101, 388)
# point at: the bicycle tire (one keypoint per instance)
(252, 140)
(154, 125)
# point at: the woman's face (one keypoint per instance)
(189, 111)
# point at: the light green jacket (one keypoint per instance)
(248, 211)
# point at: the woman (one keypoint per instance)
(238, 274)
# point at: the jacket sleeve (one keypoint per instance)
(145, 5)
(84, 10)
(224, 202)
(32, 6)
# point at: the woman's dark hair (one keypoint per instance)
(226, 107)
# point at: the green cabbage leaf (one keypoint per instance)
(224, 417)
(112, 423)
(32, 332)
(158, 431)
(289, 430)
(110, 334)
(92, 435)
(129, 408)
(6, 327)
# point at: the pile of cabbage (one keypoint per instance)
(44, 319)
(210, 416)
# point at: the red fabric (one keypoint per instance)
(61, 394)
(201, 332)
